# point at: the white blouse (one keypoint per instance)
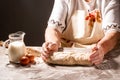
(63, 10)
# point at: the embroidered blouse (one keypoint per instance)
(67, 13)
(63, 10)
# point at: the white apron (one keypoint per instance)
(84, 30)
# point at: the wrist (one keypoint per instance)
(102, 49)
(105, 46)
(109, 41)
(57, 43)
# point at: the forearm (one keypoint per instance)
(52, 35)
(109, 41)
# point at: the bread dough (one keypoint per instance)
(70, 58)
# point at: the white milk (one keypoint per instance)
(15, 51)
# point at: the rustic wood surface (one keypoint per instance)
(108, 70)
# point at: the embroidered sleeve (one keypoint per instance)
(112, 27)
(111, 15)
(58, 15)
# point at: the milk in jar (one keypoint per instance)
(15, 51)
(16, 47)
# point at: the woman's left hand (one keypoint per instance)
(97, 55)
(106, 44)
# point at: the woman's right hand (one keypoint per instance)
(47, 49)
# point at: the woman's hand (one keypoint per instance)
(97, 55)
(106, 44)
(47, 49)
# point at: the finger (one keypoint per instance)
(45, 46)
(97, 61)
(43, 57)
(47, 53)
(94, 59)
(94, 47)
(53, 46)
(44, 53)
(94, 54)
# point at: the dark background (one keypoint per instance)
(30, 16)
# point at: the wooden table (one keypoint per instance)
(108, 70)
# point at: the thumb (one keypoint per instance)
(52, 46)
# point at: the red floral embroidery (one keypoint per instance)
(92, 17)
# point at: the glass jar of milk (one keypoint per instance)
(16, 47)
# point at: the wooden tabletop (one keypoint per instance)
(108, 70)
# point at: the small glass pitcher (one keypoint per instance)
(16, 46)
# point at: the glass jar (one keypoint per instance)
(16, 46)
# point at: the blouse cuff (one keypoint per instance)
(113, 26)
(56, 24)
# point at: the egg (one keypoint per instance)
(31, 57)
(24, 60)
